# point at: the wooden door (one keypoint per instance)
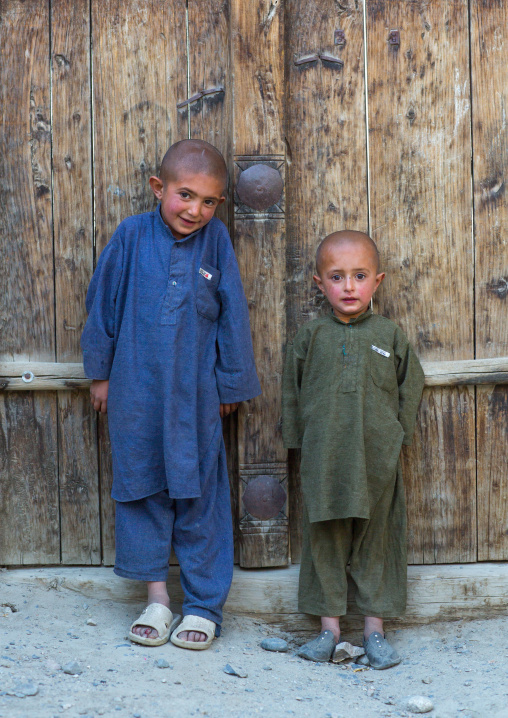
(386, 116)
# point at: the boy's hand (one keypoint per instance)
(226, 409)
(99, 394)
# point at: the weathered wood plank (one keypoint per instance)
(261, 258)
(492, 440)
(420, 179)
(326, 158)
(28, 475)
(258, 61)
(55, 375)
(78, 480)
(210, 118)
(26, 270)
(259, 235)
(489, 69)
(29, 520)
(441, 479)
(73, 228)
(435, 593)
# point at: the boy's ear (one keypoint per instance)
(157, 186)
(379, 279)
(317, 279)
(222, 199)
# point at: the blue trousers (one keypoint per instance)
(200, 531)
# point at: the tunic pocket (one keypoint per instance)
(382, 368)
(207, 299)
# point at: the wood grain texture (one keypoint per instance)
(29, 525)
(440, 478)
(489, 68)
(259, 238)
(78, 480)
(492, 440)
(258, 62)
(420, 179)
(420, 171)
(26, 269)
(73, 230)
(139, 71)
(72, 171)
(260, 248)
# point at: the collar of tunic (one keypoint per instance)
(361, 318)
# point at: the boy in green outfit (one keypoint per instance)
(351, 390)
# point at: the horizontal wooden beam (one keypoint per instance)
(466, 371)
(45, 376)
(51, 376)
(435, 593)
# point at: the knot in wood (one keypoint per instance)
(260, 187)
(264, 497)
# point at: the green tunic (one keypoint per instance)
(350, 397)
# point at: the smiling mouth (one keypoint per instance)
(188, 221)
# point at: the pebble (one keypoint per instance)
(419, 704)
(72, 668)
(275, 644)
(91, 622)
(162, 663)
(234, 671)
(468, 683)
(427, 679)
(25, 689)
(363, 660)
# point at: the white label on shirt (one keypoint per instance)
(205, 274)
(380, 351)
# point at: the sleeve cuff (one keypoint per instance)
(97, 366)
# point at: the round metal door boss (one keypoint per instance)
(260, 187)
(264, 497)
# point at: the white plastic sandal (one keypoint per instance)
(194, 623)
(158, 617)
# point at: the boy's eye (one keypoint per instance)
(209, 202)
(184, 195)
(360, 275)
(336, 277)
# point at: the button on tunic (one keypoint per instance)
(168, 325)
(350, 398)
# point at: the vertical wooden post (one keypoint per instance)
(489, 40)
(420, 178)
(29, 524)
(139, 72)
(327, 171)
(259, 234)
(73, 223)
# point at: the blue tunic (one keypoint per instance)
(168, 325)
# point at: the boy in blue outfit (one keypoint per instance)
(351, 390)
(167, 345)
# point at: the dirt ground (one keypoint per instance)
(462, 667)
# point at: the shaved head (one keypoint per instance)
(193, 156)
(345, 237)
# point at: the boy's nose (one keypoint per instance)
(349, 283)
(194, 209)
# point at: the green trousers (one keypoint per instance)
(375, 548)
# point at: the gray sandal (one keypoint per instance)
(379, 652)
(320, 649)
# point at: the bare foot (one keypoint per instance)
(157, 593)
(192, 636)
